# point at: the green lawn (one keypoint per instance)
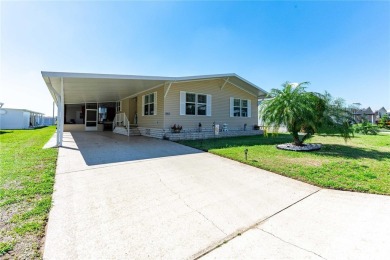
(26, 186)
(362, 164)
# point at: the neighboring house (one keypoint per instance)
(364, 114)
(48, 120)
(12, 118)
(152, 105)
(381, 112)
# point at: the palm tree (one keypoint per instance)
(302, 111)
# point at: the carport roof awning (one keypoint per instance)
(86, 87)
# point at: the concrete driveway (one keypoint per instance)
(119, 198)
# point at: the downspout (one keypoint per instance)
(165, 95)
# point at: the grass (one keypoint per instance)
(362, 164)
(26, 186)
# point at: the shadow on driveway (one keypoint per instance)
(107, 147)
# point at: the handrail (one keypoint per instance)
(114, 123)
(120, 119)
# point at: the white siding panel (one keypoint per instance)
(249, 108)
(155, 103)
(182, 103)
(26, 120)
(208, 106)
(143, 105)
(14, 119)
(232, 107)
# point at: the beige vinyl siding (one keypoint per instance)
(129, 107)
(220, 105)
(152, 121)
(125, 107)
(132, 110)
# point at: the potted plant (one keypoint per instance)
(176, 128)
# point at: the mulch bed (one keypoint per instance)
(296, 148)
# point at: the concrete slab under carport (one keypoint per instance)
(89, 150)
(175, 206)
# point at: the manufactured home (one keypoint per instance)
(161, 107)
(13, 118)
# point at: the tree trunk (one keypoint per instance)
(296, 139)
(304, 138)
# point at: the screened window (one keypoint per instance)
(106, 112)
(149, 104)
(91, 105)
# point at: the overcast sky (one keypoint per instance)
(341, 47)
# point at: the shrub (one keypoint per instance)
(384, 122)
(366, 128)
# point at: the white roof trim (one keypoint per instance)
(116, 76)
(22, 109)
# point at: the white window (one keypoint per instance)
(201, 104)
(237, 107)
(190, 104)
(244, 108)
(195, 104)
(240, 107)
(149, 104)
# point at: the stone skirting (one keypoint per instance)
(193, 135)
(209, 134)
(152, 132)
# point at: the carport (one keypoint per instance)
(76, 88)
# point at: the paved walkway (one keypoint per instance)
(52, 142)
(118, 197)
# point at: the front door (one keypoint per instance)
(91, 117)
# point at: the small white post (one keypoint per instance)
(62, 110)
(60, 119)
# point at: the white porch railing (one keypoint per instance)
(120, 119)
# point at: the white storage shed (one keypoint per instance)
(13, 118)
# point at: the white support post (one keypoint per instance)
(60, 120)
(62, 110)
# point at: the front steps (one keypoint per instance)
(123, 131)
